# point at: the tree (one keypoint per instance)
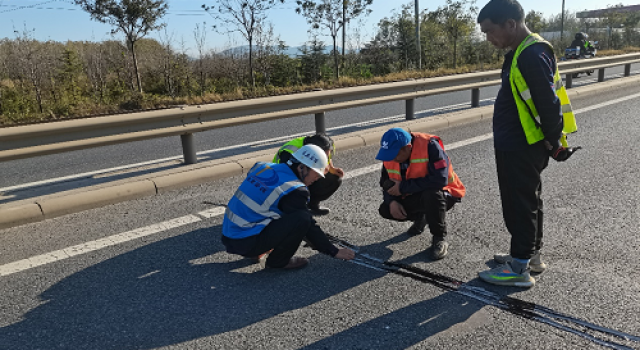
(457, 20)
(331, 15)
(200, 35)
(534, 21)
(245, 17)
(312, 58)
(134, 18)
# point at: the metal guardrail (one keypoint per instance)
(41, 139)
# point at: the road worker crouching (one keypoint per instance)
(419, 184)
(268, 213)
(326, 186)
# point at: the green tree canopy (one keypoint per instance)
(134, 18)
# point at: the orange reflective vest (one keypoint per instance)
(418, 165)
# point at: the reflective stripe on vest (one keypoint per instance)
(418, 165)
(291, 147)
(255, 203)
(527, 111)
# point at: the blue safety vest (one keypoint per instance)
(255, 203)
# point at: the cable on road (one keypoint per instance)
(527, 310)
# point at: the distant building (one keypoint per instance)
(600, 13)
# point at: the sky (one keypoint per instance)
(61, 20)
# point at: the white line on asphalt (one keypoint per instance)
(250, 144)
(39, 260)
(87, 247)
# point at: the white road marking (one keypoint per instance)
(39, 260)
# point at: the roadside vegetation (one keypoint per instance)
(49, 81)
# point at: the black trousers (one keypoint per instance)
(520, 188)
(324, 188)
(283, 235)
(430, 204)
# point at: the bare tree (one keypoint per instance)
(134, 18)
(31, 63)
(332, 15)
(243, 16)
(200, 35)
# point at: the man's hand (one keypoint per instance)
(336, 171)
(345, 254)
(397, 210)
(395, 190)
(562, 154)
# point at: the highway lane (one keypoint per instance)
(177, 289)
(229, 141)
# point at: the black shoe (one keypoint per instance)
(438, 250)
(418, 226)
(317, 210)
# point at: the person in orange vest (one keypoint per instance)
(419, 184)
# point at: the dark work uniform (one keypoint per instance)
(519, 165)
(426, 197)
(285, 234)
(322, 189)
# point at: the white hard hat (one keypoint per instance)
(313, 157)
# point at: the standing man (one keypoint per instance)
(419, 184)
(532, 114)
(326, 186)
(268, 213)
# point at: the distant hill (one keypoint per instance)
(291, 51)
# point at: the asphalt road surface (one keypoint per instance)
(152, 273)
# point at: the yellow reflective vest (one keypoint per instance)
(294, 145)
(529, 117)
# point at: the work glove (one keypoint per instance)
(563, 153)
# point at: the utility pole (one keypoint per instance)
(344, 26)
(562, 22)
(418, 35)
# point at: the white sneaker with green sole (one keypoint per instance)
(536, 264)
(504, 275)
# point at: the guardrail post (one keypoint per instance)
(188, 149)
(568, 81)
(627, 70)
(475, 97)
(600, 75)
(410, 109)
(320, 125)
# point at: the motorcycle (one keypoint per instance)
(577, 52)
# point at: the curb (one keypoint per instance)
(73, 201)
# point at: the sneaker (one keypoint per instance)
(418, 226)
(438, 250)
(316, 209)
(536, 264)
(504, 275)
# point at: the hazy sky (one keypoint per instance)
(60, 20)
